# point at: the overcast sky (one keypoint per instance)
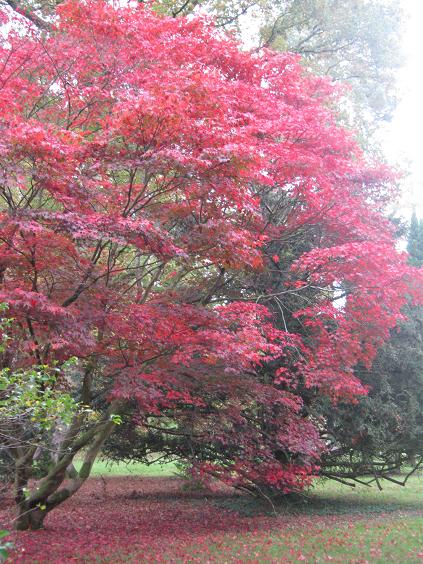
(403, 138)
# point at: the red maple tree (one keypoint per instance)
(135, 152)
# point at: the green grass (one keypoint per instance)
(393, 540)
(343, 525)
(324, 498)
(334, 497)
(329, 523)
(331, 498)
(103, 467)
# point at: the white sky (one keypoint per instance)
(403, 137)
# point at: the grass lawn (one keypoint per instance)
(368, 540)
(106, 468)
(140, 514)
(385, 524)
(331, 498)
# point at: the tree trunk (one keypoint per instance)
(412, 459)
(49, 491)
(30, 519)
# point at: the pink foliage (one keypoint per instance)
(134, 149)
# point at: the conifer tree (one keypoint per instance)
(384, 431)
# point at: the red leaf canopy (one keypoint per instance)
(134, 152)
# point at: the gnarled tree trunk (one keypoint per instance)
(49, 492)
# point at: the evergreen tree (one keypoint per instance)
(384, 431)
(415, 241)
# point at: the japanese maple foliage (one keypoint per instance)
(136, 154)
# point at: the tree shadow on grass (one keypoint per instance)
(317, 501)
